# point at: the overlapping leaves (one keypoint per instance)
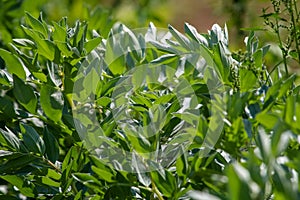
(42, 152)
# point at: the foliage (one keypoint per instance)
(197, 121)
(101, 14)
(284, 22)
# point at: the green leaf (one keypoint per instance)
(239, 180)
(48, 181)
(139, 99)
(280, 141)
(272, 93)
(208, 55)
(4, 153)
(164, 47)
(11, 140)
(188, 117)
(59, 33)
(32, 139)
(73, 154)
(24, 95)
(191, 31)
(51, 144)
(283, 185)
(92, 44)
(25, 187)
(138, 77)
(15, 164)
(36, 24)
(103, 101)
(268, 120)
(222, 60)
(51, 102)
(6, 108)
(183, 41)
(92, 79)
(166, 185)
(182, 165)
(46, 48)
(78, 195)
(289, 110)
(258, 59)
(64, 48)
(24, 43)
(105, 173)
(13, 64)
(164, 99)
(247, 80)
(118, 66)
(286, 85)
(4, 76)
(264, 145)
(141, 169)
(165, 59)
(72, 162)
(88, 180)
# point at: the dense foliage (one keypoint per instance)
(144, 114)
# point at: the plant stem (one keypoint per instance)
(156, 191)
(295, 35)
(52, 165)
(277, 31)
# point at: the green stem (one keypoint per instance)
(156, 191)
(52, 165)
(295, 35)
(48, 162)
(277, 31)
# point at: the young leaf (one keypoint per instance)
(184, 41)
(36, 24)
(192, 32)
(59, 33)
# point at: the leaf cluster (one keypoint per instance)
(197, 121)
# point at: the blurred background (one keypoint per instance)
(202, 14)
(102, 14)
